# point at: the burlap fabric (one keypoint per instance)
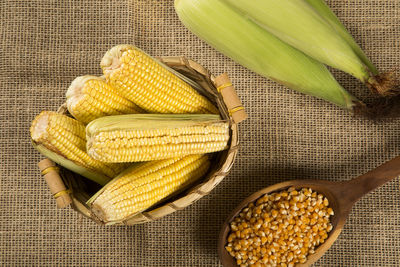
(45, 44)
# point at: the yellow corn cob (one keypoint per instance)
(145, 184)
(144, 81)
(63, 140)
(144, 137)
(90, 97)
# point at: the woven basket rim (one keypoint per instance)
(205, 79)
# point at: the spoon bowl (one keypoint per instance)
(341, 195)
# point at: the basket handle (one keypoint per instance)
(230, 97)
(50, 172)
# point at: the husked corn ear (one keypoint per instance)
(144, 137)
(90, 97)
(144, 81)
(144, 184)
(65, 137)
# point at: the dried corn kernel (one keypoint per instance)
(280, 228)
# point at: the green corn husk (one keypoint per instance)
(72, 166)
(384, 84)
(297, 24)
(62, 139)
(323, 9)
(252, 46)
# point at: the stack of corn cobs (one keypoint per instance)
(156, 149)
(289, 41)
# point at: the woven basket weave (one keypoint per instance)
(80, 189)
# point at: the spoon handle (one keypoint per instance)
(353, 190)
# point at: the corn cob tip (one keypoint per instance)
(78, 83)
(62, 139)
(90, 97)
(75, 95)
(74, 92)
(99, 212)
(39, 126)
(111, 59)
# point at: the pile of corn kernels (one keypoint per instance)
(280, 229)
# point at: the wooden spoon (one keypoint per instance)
(341, 195)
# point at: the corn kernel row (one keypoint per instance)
(145, 137)
(145, 184)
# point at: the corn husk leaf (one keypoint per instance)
(70, 165)
(297, 24)
(326, 13)
(241, 39)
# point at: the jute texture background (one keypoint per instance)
(44, 45)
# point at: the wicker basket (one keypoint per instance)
(79, 189)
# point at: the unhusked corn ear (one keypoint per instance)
(241, 39)
(62, 139)
(325, 12)
(296, 23)
(151, 86)
(90, 97)
(144, 184)
(144, 137)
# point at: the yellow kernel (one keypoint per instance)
(330, 211)
(290, 189)
(231, 236)
(274, 213)
(258, 210)
(264, 240)
(265, 259)
(263, 251)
